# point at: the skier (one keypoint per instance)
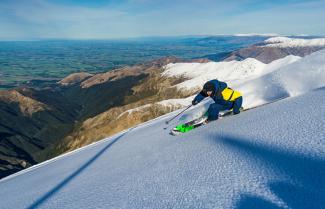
(225, 99)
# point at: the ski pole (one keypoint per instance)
(178, 114)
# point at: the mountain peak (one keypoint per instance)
(74, 78)
(27, 105)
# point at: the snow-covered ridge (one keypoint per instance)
(230, 72)
(291, 80)
(258, 82)
(237, 74)
(284, 42)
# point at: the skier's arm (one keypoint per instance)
(199, 98)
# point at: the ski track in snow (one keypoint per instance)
(269, 157)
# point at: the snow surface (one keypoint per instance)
(284, 42)
(259, 83)
(291, 80)
(230, 72)
(269, 157)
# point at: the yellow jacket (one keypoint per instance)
(229, 94)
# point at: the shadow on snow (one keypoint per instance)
(308, 173)
(76, 173)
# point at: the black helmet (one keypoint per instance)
(208, 86)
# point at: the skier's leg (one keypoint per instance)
(237, 105)
(213, 111)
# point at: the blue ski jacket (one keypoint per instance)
(216, 95)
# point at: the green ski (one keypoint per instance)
(185, 127)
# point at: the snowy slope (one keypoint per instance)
(284, 42)
(291, 80)
(268, 157)
(231, 72)
(258, 82)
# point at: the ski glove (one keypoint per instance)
(194, 102)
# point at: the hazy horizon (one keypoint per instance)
(127, 19)
(162, 37)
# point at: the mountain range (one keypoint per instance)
(269, 156)
(39, 123)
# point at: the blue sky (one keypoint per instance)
(105, 19)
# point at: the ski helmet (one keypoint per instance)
(208, 86)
